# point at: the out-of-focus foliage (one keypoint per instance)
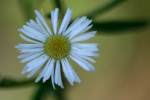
(110, 27)
(107, 27)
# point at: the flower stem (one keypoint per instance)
(107, 7)
(7, 82)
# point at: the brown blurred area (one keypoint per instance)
(122, 70)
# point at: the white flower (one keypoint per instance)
(50, 51)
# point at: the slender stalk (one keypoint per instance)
(60, 4)
(60, 94)
(103, 9)
(41, 92)
(7, 82)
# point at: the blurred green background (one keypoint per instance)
(122, 70)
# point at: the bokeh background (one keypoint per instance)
(122, 70)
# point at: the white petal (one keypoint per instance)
(58, 79)
(85, 51)
(47, 71)
(66, 21)
(75, 24)
(42, 21)
(36, 63)
(21, 56)
(73, 74)
(84, 37)
(42, 27)
(34, 25)
(30, 74)
(54, 19)
(79, 29)
(29, 58)
(87, 28)
(28, 39)
(89, 47)
(33, 33)
(38, 27)
(87, 58)
(83, 63)
(69, 72)
(26, 50)
(39, 45)
(32, 30)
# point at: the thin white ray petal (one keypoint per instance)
(53, 78)
(22, 45)
(72, 72)
(49, 71)
(28, 39)
(29, 58)
(42, 21)
(86, 58)
(66, 72)
(85, 53)
(32, 34)
(43, 71)
(85, 45)
(85, 49)
(89, 59)
(82, 63)
(87, 28)
(58, 79)
(36, 63)
(34, 25)
(24, 55)
(84, 37)
(65, 21)
(79, 29)
(26, 50)
(32, 73)
(54, 19)
(21, 56)
(42, 27)
(75, 24)
(32, 30)
(37, 26)
(69, 72)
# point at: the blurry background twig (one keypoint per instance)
(110, 27)
(104, 27)
(105, 8)
(7, 82)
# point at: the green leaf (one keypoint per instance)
(118, 26)
(103, 9)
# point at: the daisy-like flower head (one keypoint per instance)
(49, 51)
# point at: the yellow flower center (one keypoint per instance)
(57, 47)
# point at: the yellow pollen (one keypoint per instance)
(57, 47)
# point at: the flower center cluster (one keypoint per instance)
(57, 47)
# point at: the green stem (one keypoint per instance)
(41, 92)
(61, 5)
(119, 26)
(60, 95)
(6, 82)
(101, 10)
